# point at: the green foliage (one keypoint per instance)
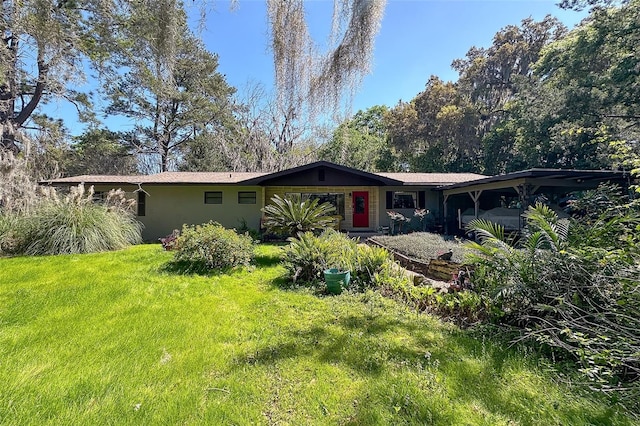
(437, 130)
(243, 228)
(58, 35)
(582, 95)
(370, 265)
(606, 220)
(567, 289)
(290, 215)
(307, 256)
(463, 308)
(539, 96)
(201, 248)
(101, 152)
(74, 223)
(168, 82)
(360, 142)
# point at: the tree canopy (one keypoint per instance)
(539, 96)
(44, 47)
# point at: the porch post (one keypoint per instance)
(446, 224)
(475, 196)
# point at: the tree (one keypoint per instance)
(171, 88)
(309, 82)
(582, 4)
(582, 97)
(597, 66)
(537, 133)
(44, 45)
(491, 76)
(359, 142)
(437, 130)
(250, 142)
(102, 152)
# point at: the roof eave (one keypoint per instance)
(261, 179)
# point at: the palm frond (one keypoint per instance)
(291, 215)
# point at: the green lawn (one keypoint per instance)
(111, 339)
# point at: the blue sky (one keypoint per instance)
(418, 38)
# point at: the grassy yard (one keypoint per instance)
(112, 339)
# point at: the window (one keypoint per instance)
(246, 197)
(336, 199)
(213, 197)
(405, 200)
(98, 196)
(142, 203)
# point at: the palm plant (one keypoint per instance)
(564, 293)
(509, 267)
(291, 215)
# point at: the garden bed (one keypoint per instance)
(418, 252)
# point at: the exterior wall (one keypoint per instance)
(168, 207)
(432, 201)
(347, 222)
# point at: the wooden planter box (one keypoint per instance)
(442, 270)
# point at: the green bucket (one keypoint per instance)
(336, 280)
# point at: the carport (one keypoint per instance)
(518, 190)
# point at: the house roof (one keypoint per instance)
(160, 178)
(105, 179)
(548, 174)
(264, 179)
(445, 181)
(435, 179)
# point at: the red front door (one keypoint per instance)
(360, 209)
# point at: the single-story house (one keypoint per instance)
(166, 201)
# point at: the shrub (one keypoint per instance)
(243, 228)
(290, 215)
(74, 223)
(307, 256)
(201, 248)
(581, 300)
(370, 265)
(18, 187)
(9, 234)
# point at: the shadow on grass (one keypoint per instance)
(391, 352)
(266, 260)
(192, 268)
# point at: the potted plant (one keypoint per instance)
(339, 276)
(336, 280)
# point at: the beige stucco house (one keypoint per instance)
(168, 200)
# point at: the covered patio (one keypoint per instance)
(503, 198)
